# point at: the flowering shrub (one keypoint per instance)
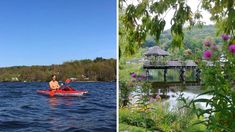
(225, 37)
(126, 87)
(142, 91)
(207, 43)
(137, 77)
(218, 78)
(232, 48)
(207, 54)
(211, 52)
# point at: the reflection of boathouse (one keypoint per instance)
(156, 59)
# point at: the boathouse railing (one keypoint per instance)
(182, 66)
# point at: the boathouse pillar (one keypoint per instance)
(182, 76)
(147, 74)
(165, 72)
(198, 71)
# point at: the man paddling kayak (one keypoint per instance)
(54, 85)
(56, 90)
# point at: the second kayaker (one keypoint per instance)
(53, 84)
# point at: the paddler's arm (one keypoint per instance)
(57, 85)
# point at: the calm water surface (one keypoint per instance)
(22, 109)
(170, 94)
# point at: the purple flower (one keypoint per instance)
(232, 48)
(225, 37)
(207, 43)
(214, 47)
(142, 75)
(207, 54)
(133, 75)
(139, 78)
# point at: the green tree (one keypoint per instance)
(148, 18)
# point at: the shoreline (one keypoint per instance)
(58, 81)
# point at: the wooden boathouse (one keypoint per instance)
(155, 58)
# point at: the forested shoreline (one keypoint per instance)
(99, 69)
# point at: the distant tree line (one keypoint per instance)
(193, 38)
(98, 69)
(193, 41)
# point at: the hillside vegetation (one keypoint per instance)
(193, 40)
(80, 70)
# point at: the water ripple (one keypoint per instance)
(24, 110)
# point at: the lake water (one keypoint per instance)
(170, 93)
(22, 109)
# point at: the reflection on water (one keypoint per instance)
(189, 92)
(170, 92)
(53, 102)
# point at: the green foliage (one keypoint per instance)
(147, 18)
(158, 119)
(125, 90)
(223, 13)
(181, 15)
(142, 89)
(219, 81)
(138, 22)
(193, 39)
(193, 43)
(136, 118)
(84, 70)
(126, 69)
(124, 127)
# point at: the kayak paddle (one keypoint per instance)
(52, 92)
(68, 81)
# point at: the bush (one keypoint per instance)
(161, 119)
(135, 118)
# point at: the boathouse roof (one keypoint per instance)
(156, 51)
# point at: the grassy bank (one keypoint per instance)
(159, 118)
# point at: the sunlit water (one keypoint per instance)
(191, 92)
(22, 109)
(170, 95)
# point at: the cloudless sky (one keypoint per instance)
(44, 32)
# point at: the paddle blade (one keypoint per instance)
(67, 80)
(52, 93)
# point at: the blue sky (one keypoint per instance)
(44, 32)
